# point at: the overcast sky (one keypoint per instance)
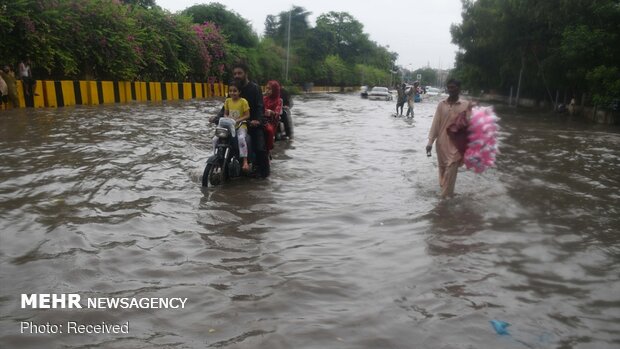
(419, 31)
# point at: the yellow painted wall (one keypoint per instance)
(108, 92)
(168, 91)
(198, 87)
(187, 90)
(39, 102)
(68, 92)
(88, 92)
(93, 95)
(175, 91)
(50, 94)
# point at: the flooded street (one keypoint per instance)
(346, 245)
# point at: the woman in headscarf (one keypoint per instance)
(273, 109)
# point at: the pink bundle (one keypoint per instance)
(482, 146)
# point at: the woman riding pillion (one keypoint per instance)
(273, 110)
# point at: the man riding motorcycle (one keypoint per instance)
(252, 93)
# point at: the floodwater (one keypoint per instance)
(346, 245)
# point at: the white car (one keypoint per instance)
(433, 91)
(380, 93)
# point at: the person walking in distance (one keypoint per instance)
(401, 99)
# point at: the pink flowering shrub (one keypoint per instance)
(211, 45)
(95, 39)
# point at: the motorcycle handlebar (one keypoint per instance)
(216, 120)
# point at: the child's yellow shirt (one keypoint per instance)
(237, 108)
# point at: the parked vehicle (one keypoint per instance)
(433, 91)
(380, 93)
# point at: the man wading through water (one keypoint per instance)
(450, 112)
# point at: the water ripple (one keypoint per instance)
(346, 245)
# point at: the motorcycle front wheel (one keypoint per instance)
(213, 174)
(205, 175)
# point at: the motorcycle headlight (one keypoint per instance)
(221, 132)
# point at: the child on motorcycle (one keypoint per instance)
(237, 109)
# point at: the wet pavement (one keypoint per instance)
(346, 245)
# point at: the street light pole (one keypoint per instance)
(410, 70)
(288, 44)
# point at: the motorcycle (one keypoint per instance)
(285, 127)
(225, 163)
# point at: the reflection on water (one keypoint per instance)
(345, 246)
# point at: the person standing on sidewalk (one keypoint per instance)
(25, 74)
(8, 77)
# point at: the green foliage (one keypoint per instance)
(293, 89)
(271, 59)
(606, 84)
(565, 45)
(95, 32)
(336, 70)
(237, 30)
(141, 3)
(332, 51)
(136, 39)
(429, 76)
(370, 75)
(276, 27)
(271, 26)
(345, 34)
(104, 39)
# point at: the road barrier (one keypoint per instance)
(66, 92)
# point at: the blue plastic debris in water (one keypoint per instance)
(500, 327)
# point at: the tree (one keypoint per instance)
(338, 34)
(135, 39)
(211, 51)
(429, 76)
(336, 69)
(271, 26)
(94, 39)
(371, 76)
(278, 29)
(141, 3)
(346, 35)
(235, 28)
(556, 45)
